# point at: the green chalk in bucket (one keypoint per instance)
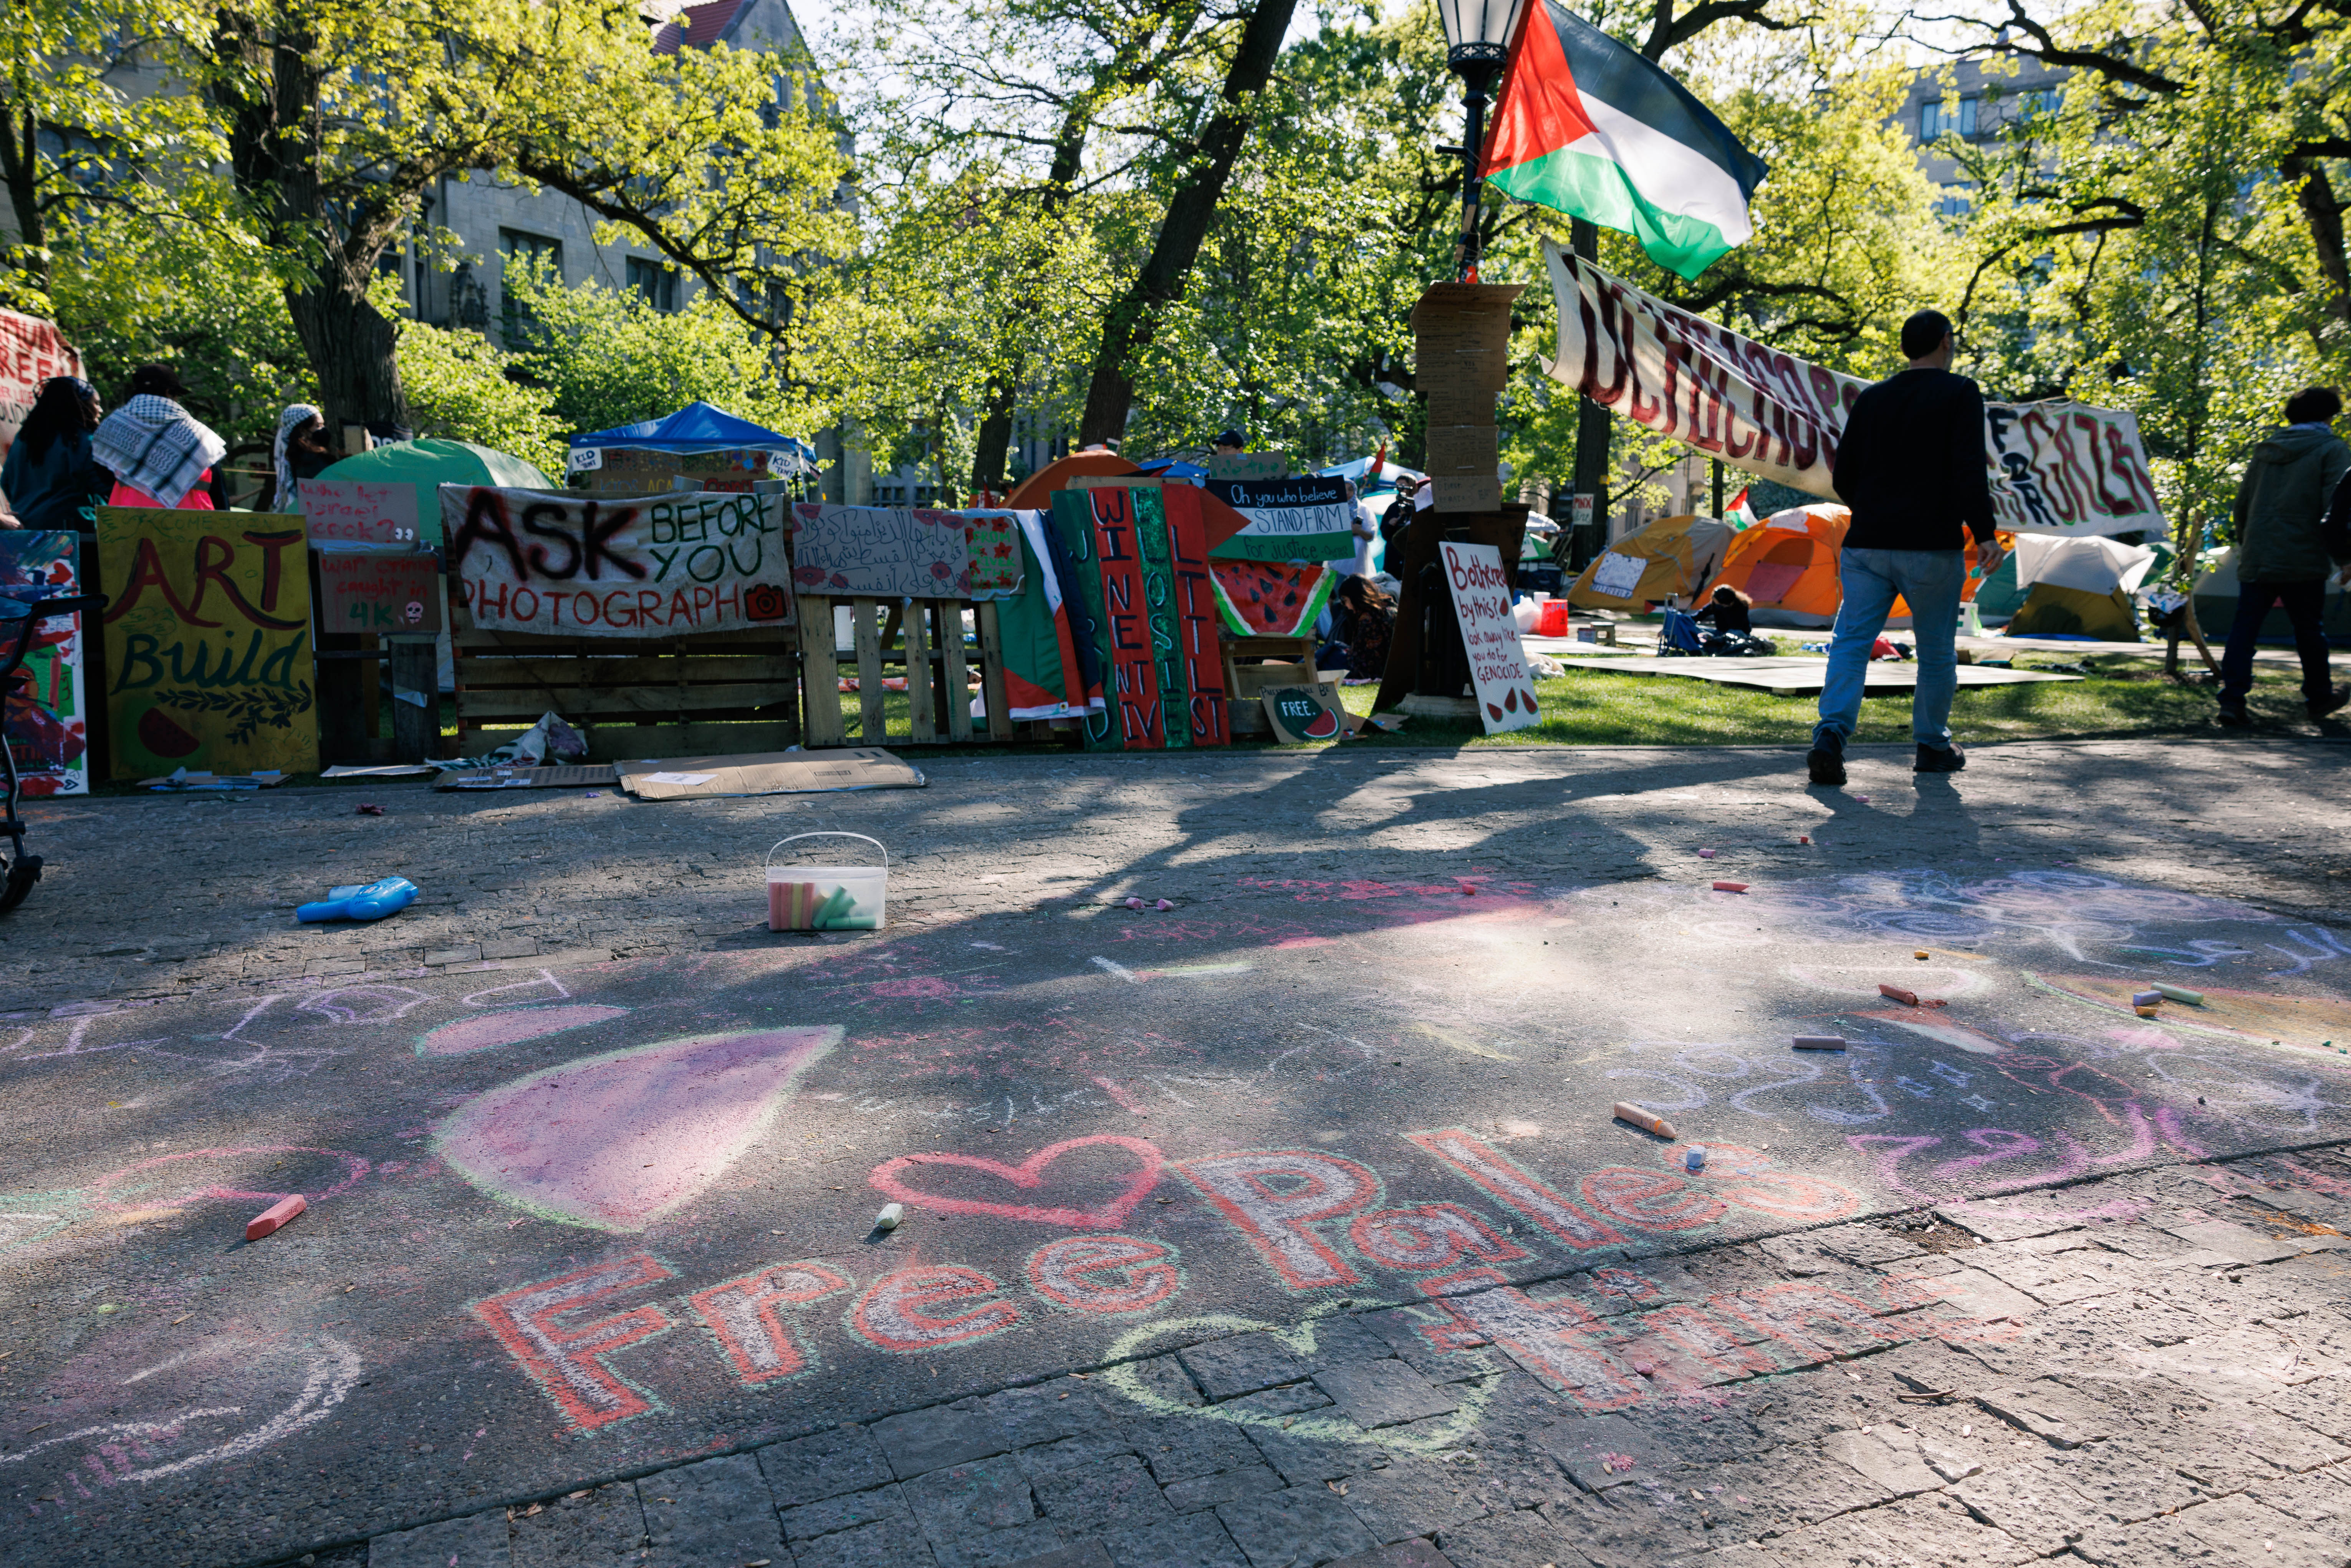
(837, 903)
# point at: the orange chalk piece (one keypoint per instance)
(275, 1216)
(1908, 998)
(1731, 887)
(1648, 1121)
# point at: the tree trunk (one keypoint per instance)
(1160, 283)
(2323, 213)
(20, 170)
(351, 348)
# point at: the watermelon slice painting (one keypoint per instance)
(1270, 599)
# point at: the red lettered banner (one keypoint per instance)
(604, 566)
(1196, 615)
(2056, 468)
(1126, 612)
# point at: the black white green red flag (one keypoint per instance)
(1591, 128)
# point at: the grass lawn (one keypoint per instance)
(2125, 695)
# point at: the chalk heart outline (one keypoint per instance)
(1028, 1175)
(1425, 1438)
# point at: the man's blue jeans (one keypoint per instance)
(1930, 580)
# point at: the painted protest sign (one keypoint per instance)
(1480, 590)
(31, 352)
(207, 642)
(361, 514)
(2056, 468)
(1247, 466)
(992, 539)
(645, 566)
(880, 552)
(44, 713)
(1308, 519)
(379, 594)
(1141, 560)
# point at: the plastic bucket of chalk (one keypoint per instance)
(827, 897)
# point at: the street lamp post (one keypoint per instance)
(1477, 35)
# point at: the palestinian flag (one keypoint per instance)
(1587, 126)
(1044, 678)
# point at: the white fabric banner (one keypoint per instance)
(2056, 468)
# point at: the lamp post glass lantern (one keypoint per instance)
(1477, 35)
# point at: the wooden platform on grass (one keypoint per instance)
(1802, 676)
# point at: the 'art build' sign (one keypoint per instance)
(207, 642)
(603, 566)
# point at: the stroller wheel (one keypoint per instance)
(22, 873)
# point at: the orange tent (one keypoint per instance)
(1036, 490)
(1788, 566)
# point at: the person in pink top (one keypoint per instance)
(160, 454)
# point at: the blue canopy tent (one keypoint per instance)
(697, 429)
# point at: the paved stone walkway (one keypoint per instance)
(175, 896)
(2139, 1360)
(2011, 1382)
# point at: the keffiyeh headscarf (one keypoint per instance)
(152, 444)
(296, 416)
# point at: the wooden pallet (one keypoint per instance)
(709, 695)
(925, 645)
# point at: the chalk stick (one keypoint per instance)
(2181, 994)
(1820, 1042)
(2147, 1012)
(1731, 887)
(1908, 998)
(1705, 855)
(893, 1215)
(1920, 953)
(2145, 998)
(275, 1216)
(1647, 1121)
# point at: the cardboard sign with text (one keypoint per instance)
(31, 352)
(880, 552)
(642, 566)
(1299, 714)
(1248, 465)
(1498, 661)
(208, 662)
(361, 514)
(379, 593)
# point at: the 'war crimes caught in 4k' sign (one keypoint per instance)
(208, 660)
(587, 566)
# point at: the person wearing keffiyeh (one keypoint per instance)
(160, 454)
(299, 452)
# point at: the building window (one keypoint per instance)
(1947, 117)
(518, 245)
(1954, 204)
(655, 281)
(2043, 101)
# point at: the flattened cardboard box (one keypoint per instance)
(772, 773)
(1470, 450)
(1466, 493)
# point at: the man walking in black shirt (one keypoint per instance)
(1912, 467)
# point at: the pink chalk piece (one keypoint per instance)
(1705, 855)
(1731, 887)
(1863, 799)
(1134, 904)
(509, 1025)
(617, 1141)
(1165, 904)
(275, 1216)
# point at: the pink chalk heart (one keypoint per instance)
(509, 1027)
(615, 1142)
(1028, 1175)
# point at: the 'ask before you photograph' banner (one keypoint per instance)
(2057, 467)
(584, 566)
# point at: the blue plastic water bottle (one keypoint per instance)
(372, 901)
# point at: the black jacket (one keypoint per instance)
(1911, 464)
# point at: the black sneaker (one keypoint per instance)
(1826, 760)
(2233, 718)
(2339, 698)
(1939, 760)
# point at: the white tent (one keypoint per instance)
(2091, 565)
